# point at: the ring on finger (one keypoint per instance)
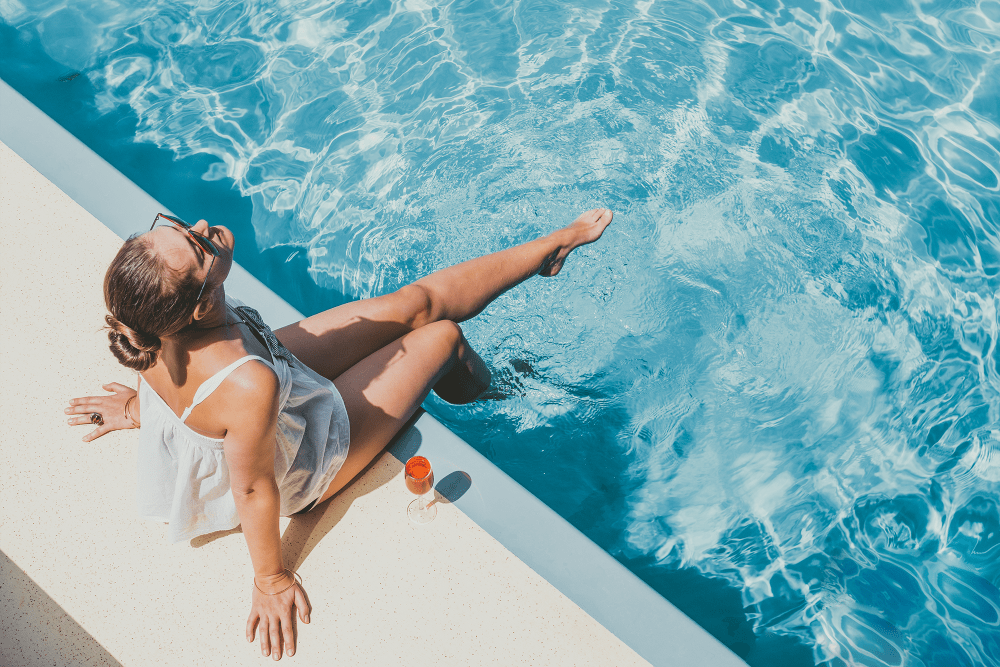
(97, 418)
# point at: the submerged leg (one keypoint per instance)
(382, 391)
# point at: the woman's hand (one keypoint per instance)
(111, 408)
(274, 614)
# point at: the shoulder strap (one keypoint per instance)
(212, 383)
(252, 318)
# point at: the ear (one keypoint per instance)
(201, 310)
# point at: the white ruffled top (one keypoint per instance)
(183, 476)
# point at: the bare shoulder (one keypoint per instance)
(250, 414)
(251, 392)
(254, 376)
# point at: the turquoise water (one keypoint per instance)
(771, 389)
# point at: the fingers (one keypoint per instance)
(89, 408)
(265, 637)
(275, 633)
(252, 621)
(109, 407)
(270, 637)
(302, 604)
(80, 405)
(87, 411)
(274, 619)
(77, 421)
(288, 632)
(97, 433)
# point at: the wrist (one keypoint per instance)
(271, 576)
(274, 583)
(128, 414)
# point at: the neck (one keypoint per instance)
(217, 316)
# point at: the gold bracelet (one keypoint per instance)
(135, 424)
(290, 573)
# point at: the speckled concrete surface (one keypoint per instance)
(85, 582)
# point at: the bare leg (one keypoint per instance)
(411, 343)
(382, 391)
(335, 340)
(461, 292)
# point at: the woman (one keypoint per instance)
(241, 426)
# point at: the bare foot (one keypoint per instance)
(585, 229)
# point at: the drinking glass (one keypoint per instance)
(420, 480)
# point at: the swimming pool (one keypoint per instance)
(771, 390)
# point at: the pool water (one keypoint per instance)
(772, 389)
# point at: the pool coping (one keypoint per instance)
(586, 574)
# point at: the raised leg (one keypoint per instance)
(382, 391)
(333, 341)
(462, 291)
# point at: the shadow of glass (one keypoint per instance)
(452, 487)
(35, 630)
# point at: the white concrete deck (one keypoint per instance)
(84, 582)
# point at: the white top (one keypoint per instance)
(183, 476)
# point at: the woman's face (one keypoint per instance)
(182, 254)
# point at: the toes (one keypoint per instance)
(596, 215)
(603, 215)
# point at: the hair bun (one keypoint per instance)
(132, 348)
(138, 340)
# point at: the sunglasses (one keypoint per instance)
(201, 241)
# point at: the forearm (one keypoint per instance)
(259, 508)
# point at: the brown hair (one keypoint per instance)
(146, 300)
